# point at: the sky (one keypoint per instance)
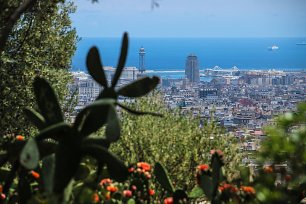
(191, 18)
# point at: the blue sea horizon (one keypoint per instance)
(165, 55)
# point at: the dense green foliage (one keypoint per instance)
(41, 43)
(283, 156)
(174, 140)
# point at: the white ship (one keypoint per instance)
(274, 47)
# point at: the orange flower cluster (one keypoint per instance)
(203, 167)
(248, 189)
(228, 187)
(112, 188)
(168, 200)
(144, 166)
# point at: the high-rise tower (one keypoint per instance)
(192, 68)
(142, 54)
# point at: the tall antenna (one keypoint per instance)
(142, 54)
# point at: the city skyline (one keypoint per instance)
(195, 18)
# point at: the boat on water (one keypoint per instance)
(301, 43)
(274, 47)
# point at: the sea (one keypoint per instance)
(166, 57)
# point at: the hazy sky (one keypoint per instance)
(191, 18)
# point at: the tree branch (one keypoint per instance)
(4, 33)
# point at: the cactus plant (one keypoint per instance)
(70, 142)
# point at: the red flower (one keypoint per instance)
(151, 192)
(168, 200)
(145, 166)
(35, 174)
(19, 137)
(203, 167)
(105, 181)
(127, 193)
(248, 189)
(112, 189)
(95, 198)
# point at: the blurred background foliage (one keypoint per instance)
(177, 141)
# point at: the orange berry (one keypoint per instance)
(112, 189)
(127, 193)
(248, 189)
(105, 181)
(35, 174)
(95, 198)
(134, 188)
(203, 167)
(131, 169)
(151, 192)
(168, 200)
(19, 138)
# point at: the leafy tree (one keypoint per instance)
(283, 156)
(176, 141)
(42, 43)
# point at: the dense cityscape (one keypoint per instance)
(243, 102)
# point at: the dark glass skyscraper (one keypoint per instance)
(192, 68)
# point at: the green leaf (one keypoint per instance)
(116, 168)
(92, 117)
(131, 201)
(113, 128)
(162, 177)
(97, 141)
(82, 173)
(29, 156)
(139, 87)
(207, 185)
(95, 67)
(122, 59)
(136, 112)
(48, 169)
(216, 164)
(53, 131)
(36, 118)
(47, 101)
(196, 192)
(67, 158)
